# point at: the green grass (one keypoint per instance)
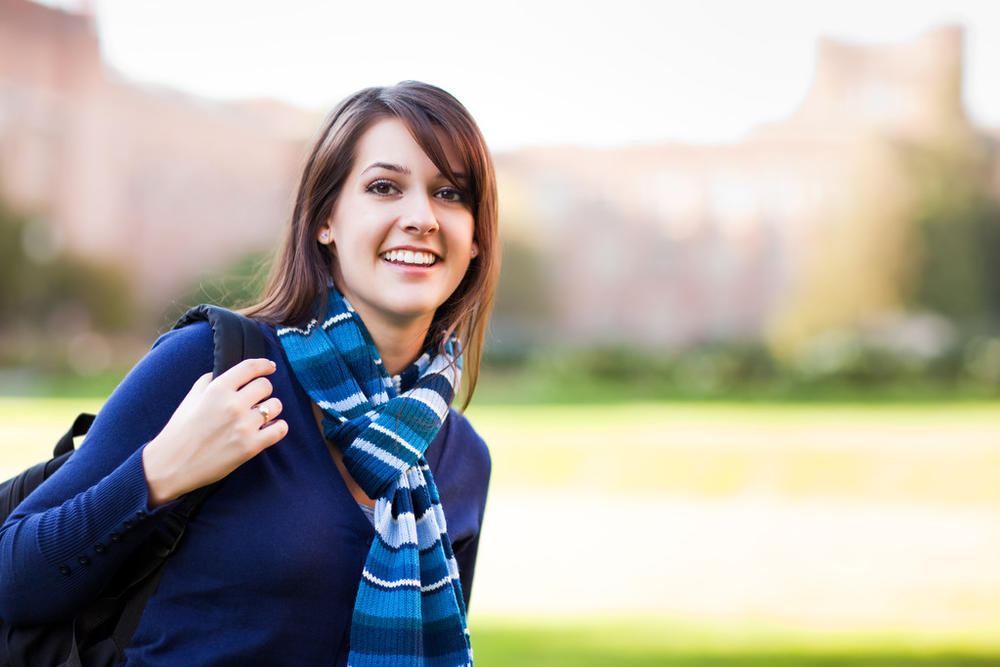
(33, 384)
(642, 643)
(30, 427)
(936, 453)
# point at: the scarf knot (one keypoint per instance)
(409, 609)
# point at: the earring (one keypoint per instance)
(323, 237)
(474, 251)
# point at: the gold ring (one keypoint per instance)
(263, 413)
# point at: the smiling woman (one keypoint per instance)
(347, 526)
(395, 169)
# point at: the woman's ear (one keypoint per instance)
(324, 236)
(475, 249)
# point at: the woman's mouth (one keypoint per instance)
(409, 257)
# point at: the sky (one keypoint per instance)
(539, 72)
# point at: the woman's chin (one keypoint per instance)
(403, 313)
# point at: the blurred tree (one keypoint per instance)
(39, 280)
(238, 285)
(957, 233)
(522, 309)
(918, 231)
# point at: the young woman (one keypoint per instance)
(347, 526)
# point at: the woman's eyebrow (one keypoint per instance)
(388, 165)
(398, 168)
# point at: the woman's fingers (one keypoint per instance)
(201, 383)
(245, 383)
(268, 410)
(255, 391)
(245, 371)
(272, 432)
(219, 425)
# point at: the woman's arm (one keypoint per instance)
(465, 556)
(65, 542)
(462, 471)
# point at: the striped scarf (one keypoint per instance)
(409, 609)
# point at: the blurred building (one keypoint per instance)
(663, 245)
(678, 244)
(168, 185)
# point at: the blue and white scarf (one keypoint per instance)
(409, 609)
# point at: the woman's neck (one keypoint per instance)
(399, 344)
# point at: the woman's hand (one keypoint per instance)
(216, 428)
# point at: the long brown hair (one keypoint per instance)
(302, 267)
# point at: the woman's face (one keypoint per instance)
(401, 232)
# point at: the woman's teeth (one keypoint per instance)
(415, 257)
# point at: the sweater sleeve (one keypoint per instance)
(68, 538)
(465, 556)
(464, 465)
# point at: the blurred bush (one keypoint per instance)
(957, 232)
(41, 282)
(236, 286)
(523, 306)
(61, 315)
(846, 365)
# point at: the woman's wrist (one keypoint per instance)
(160, 489)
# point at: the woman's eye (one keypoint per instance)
(450, 194)
(382, 188)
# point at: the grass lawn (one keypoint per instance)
(934, 453)
(30, 427)
(643, 642)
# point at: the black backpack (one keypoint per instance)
(99, 633)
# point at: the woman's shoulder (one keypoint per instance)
(460, 427)
(463, 444)
(190, 338)
(193, 345)
(462, 467)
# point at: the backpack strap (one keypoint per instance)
(236, 338)
(80, 427)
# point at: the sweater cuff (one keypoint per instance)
(102, 515)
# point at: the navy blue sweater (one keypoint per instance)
(269, 567)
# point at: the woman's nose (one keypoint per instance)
(419, 217)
